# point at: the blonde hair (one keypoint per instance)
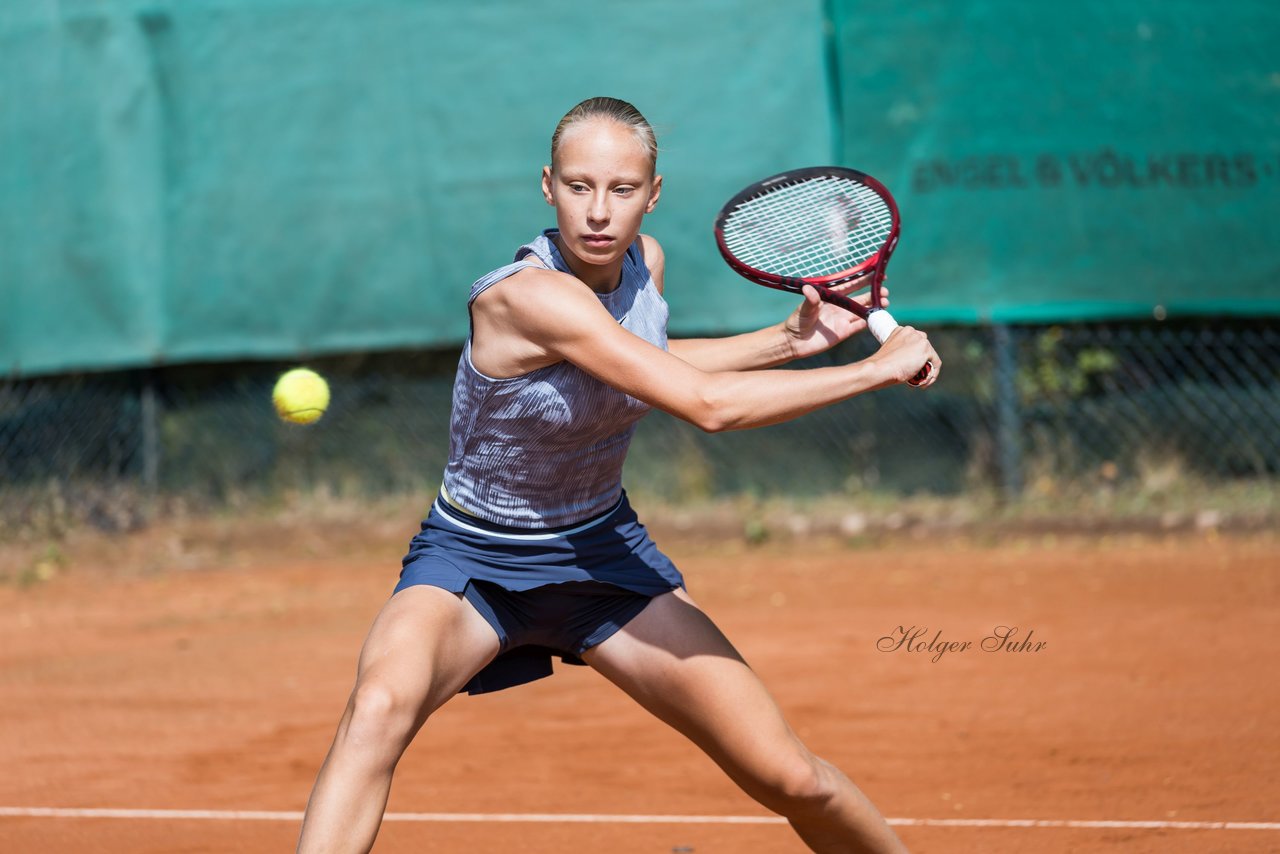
(615, 110)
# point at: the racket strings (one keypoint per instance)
(811, 228)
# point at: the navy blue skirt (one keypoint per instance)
(552, 592)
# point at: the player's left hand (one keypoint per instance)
(816, 326)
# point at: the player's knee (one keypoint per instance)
(380, 715)
(800, 784)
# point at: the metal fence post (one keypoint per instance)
(150, 436)
(1008, 415)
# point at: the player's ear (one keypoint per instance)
(653, 194)
(546, 186)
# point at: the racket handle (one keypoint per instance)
(882, 324)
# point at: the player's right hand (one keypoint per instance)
(904, 353)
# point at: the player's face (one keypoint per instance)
(602, 185)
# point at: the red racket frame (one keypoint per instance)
(873, 266)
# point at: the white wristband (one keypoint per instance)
(881, 324)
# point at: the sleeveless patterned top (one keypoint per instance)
(546, 449)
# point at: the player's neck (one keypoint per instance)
(602, 279)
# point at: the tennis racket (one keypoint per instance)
(821, 226)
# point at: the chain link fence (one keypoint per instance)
(1021, 414)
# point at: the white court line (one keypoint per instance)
(570, 818)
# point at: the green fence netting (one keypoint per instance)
(274, 179)
(1071, 161)
(266, 178)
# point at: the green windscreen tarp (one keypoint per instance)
(266, 178)
(1062, 161)
(223, 179)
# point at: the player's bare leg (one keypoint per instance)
(425, 644)
(679, 666)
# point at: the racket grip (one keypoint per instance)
(881, 324)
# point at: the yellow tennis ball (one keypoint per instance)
(301, 396)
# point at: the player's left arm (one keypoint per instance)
(813, 327)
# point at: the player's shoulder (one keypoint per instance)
(651, 250)
(542, 280)
(533, 289)
(653, 257)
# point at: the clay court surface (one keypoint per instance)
(203, 668)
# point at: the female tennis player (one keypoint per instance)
(532, 551)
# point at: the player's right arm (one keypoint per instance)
(814, 327)
(539, 317)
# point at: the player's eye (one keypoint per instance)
(578, 188)
(624, 191)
